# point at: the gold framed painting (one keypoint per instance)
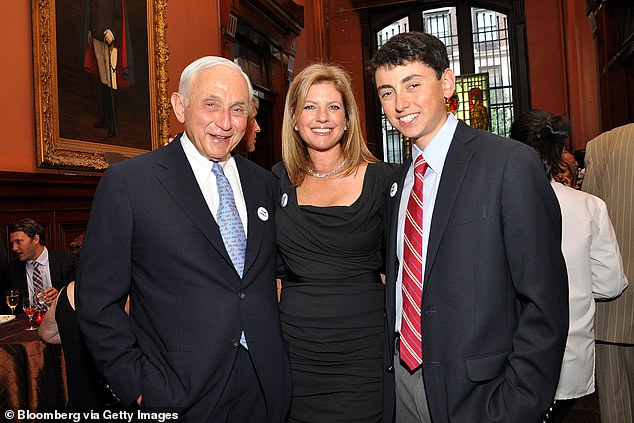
(82, 122)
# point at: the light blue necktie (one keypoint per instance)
(229, 220)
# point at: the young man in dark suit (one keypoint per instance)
(203, 337)
(476, 290)
(27, 242)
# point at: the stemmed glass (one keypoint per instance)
(13, 298)
(30, 307)
(40, 300)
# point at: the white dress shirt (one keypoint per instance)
(207, 180)
(42, 261)
(595, 271)
(434, 154)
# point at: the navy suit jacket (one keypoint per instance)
(151, 234)
(495, 297)
(59, 266)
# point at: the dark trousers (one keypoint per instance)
(558, 411)
(109, 110)
(242, 399)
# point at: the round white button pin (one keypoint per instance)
(393, 189)
(263, 214)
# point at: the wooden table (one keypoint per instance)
(32, 372)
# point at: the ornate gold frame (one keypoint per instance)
(56, 152)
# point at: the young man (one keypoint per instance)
(37, 269)
(477, 234)
(188, 232)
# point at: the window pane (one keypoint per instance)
(442, 23)
(393, 143)
(402, 25)
(492, 55)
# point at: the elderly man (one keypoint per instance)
(188, 232)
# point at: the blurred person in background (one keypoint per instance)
(593, 259)
(610, 175)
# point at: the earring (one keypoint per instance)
(345, 128)
(296, 128)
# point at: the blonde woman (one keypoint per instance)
(330, 236)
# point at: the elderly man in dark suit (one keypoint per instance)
(476, 289)
(36, 268)
(187, 231)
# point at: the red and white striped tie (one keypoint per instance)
(38, 282)
(411, 349)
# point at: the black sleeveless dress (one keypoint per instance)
(332, 301)
(86, 388)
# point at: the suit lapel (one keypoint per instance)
(453, 174)
(392, 213)
(176, 175)
(20, 278)
(399, 181)
(255, 201)
(53, 268)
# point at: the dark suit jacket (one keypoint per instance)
(495, 300)
(151, 234)
(105, 14)
(59, 266)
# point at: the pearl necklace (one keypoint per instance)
(327, 174)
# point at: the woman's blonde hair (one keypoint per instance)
(294, 150)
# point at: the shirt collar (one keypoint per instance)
(200, 164)
(42, 259)
(436, 151)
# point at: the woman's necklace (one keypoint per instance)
(327, 174)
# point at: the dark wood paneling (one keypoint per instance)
(59, 202)
(613, 27)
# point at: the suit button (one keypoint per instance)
(242, 295)
(235, 343)
(390, 369)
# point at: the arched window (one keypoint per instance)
(485, 44)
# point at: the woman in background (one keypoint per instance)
(593, 259)
(330, 236)
(87, 390)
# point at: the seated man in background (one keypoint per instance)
(37, 269)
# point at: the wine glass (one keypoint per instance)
(13, 298)
(30, 307)
(40, 300)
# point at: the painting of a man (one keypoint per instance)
(105, 19)
(103, 87)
